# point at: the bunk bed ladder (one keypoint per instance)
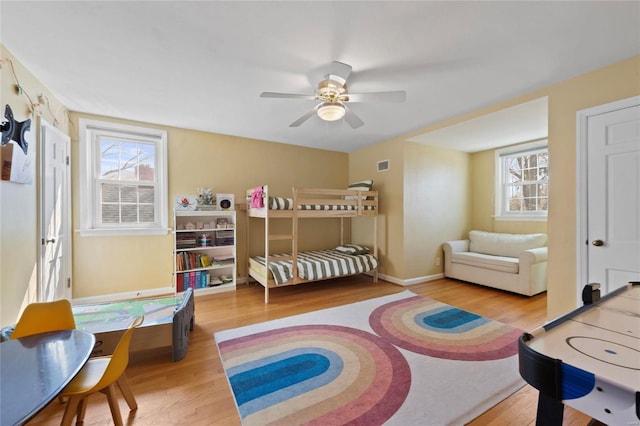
(268, 258)
(294, 233)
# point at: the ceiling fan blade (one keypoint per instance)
(352, 119)
(397, 96)
(286, 96)
(305, 117)
(340, 69)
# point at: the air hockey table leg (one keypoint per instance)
(550, 411)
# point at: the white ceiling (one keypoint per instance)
(521, 123)
(203, 64)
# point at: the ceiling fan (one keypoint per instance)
(333, 96)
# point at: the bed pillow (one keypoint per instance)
(352, 249)
(363, 185)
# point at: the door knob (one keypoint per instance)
(52, 240)
(597, 243)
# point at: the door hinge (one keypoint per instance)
(68, 282)
(67, 160)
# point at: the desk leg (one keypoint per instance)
(550, 411)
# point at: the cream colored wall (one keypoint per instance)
(483, 196)
(227, 164)
(363, 165)
(615, 82)
(424, 200)
(19, 202)
(437, 205)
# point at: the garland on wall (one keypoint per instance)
(42, 102)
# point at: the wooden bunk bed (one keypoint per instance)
(277, 270)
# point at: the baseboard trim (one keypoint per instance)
(169, 291)
(409, 281)
(140, 294)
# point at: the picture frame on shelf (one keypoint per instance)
(225, 201)
(184, 203)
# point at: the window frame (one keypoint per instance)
(90, 134)
(500, 213)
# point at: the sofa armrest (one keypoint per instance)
(449, 248)
(455, 246)
(533, 256)
(533, 271)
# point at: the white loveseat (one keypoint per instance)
(512, 262)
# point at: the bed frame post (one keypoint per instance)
(375, 247)
(266, 243)
(294, 232)
(247, 239)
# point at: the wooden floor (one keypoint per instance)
(194, 391)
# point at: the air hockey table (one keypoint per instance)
(588, 359)
(167, 322)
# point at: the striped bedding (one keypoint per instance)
(279, 203)
(320, 264)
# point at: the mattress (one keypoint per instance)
(279, 203)
(320, 264)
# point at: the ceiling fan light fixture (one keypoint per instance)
(331, 111)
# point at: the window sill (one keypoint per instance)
(126, 232)
(520, 218)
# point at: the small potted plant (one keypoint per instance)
(205, 199)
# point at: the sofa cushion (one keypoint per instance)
(485, 261)
(509, 245)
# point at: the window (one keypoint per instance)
(124, 191)
(522, 182)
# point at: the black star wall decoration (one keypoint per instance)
(13, 130)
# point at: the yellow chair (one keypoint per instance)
(43, 317)
(101, 374)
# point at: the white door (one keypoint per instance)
(612, 238)
(55, 214)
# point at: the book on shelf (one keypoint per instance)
(186, 240)
(179, 283)
(224, 238)
(204, 279)
(185, 281)
(223, 259)
(186, 261)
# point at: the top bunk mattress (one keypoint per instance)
(280, 203)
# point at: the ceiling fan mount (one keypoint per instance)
(333, 94)
(332, 89)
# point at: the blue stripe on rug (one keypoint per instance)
(450, 320)
(271, 380)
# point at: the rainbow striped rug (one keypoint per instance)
(402, 359)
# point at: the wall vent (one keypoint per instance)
(383, 165)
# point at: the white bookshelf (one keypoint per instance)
(204, 251)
